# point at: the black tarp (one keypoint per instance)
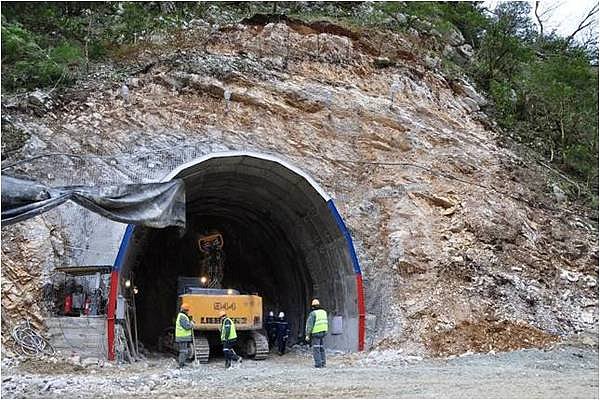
(156, 205)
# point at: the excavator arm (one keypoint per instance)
(211, 244)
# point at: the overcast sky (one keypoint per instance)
(564, 19)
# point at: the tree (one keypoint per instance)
(504, 46)
(588, 20)
(562, 104)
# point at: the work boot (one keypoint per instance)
(239, 362)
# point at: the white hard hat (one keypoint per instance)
(271, 313)
(281, 315)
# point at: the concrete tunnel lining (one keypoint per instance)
(286, 240)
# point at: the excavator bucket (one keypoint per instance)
(211, 242)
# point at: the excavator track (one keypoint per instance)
(201, 348)
(262, 345)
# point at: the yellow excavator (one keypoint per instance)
(207, 299)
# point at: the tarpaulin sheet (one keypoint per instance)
(155, 205)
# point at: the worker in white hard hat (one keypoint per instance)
(271, 328)
(283, 332)
(317, 326)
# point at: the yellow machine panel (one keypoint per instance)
(245, 310)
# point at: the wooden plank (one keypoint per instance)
(85, 269)
(78, 331)
(128, 333)
(69, 325)
(77, 343)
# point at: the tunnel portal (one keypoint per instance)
(283, 240)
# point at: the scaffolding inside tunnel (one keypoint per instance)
(284, 240)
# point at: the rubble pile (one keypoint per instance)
(487, 336)
(451, 228)
(388, 357)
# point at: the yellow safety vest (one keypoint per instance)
(180, 331)
(321, 324)
(232, 333)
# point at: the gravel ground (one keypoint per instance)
(565, 371)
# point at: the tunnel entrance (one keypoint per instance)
(283, 240)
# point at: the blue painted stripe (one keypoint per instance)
(344, 229)
(123, 248)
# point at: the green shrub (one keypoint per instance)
(504, 98)
(27, 65)
(17, 43)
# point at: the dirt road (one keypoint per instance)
(565, 371)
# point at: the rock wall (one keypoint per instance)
(450, 227)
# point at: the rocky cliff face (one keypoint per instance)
(458, 236)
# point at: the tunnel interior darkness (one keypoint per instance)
(280, 241)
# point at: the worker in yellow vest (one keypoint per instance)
(228, 339)
(316, 328)
(184, 329)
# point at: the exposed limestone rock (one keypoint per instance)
(454, 37)
(449, 226)
(466, 51)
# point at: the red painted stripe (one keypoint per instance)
(361, 312)
(112, 305)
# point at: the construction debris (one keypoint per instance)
(488, 336)
(375, 374)
(29, 342)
